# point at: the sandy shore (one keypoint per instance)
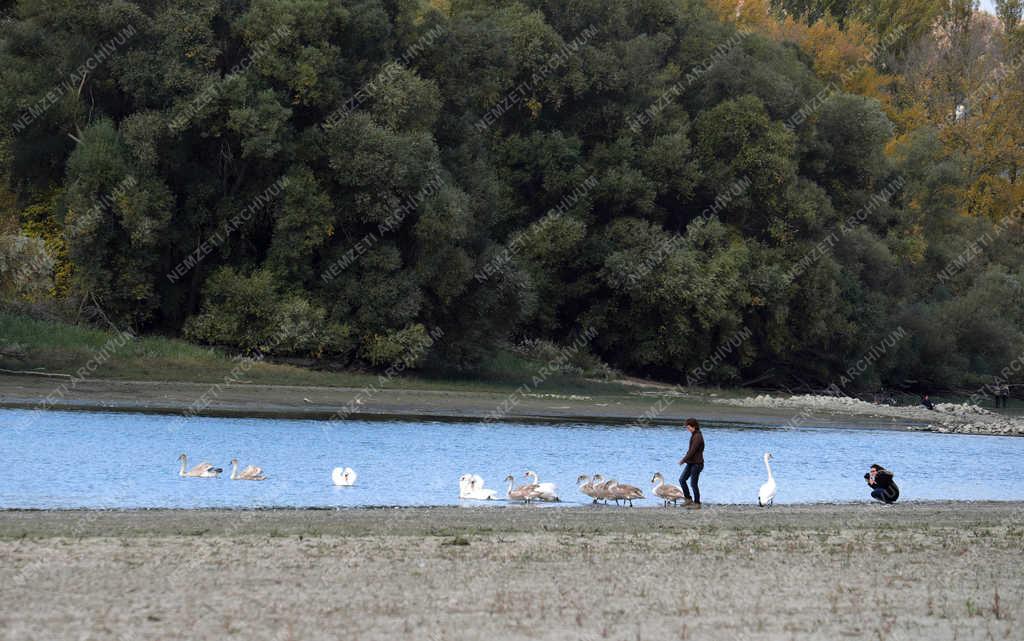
(284, 401)
(914, 571)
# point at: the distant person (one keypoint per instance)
(1002, 391)
(693, 465)
(885, 397)
(883, 488)
(927, 402)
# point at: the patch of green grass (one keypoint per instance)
(61, 348)
(456, 540)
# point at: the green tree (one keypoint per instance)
(114, 225)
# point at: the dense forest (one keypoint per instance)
(338, 179)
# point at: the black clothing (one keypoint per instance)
(1002, 394)
(884, 488)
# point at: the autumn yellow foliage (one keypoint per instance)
(990, 135)
(844, 55)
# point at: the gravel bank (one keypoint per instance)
(946, 417)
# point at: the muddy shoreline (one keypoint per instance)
(453, 520)
(323, 403)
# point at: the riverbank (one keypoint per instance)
(49, 365)
(946, 418)
(59, 352)
(864, 571)
(656, 405)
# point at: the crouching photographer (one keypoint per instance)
(883, 488)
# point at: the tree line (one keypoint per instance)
(347, 177)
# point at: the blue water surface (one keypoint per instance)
(114, 460)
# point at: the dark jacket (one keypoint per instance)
(884, 482)
(695, 455)
(883, 479)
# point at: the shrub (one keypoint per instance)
(251, 313)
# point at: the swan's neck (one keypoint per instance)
(534, 479)
(182, 472)
(658, 483)
(234, 471)
(769, 468)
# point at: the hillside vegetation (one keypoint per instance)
(725, 192)
(38, 347)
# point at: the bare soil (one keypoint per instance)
(911, 571)
(324, 403)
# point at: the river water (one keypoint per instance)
(116, 460)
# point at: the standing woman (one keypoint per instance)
(693, 463)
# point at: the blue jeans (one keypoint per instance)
(691, 471)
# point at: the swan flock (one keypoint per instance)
(472, 486)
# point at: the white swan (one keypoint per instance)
(465, 485)
(250, 473)
(471, 486)
(543, 491)
(481, 492)
(204, 470)
(343, 476)
(766, 495)
(667, 493)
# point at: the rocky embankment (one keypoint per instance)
(952, 418)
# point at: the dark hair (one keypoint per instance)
(876, 466)
(692, 422)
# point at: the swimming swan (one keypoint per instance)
(465, 485)
(521, 493)
(250, 473)
(481, 492)
(471, 486)
(204, 470)
(343, 476)
(766, 495)
(544, 491)
(667, 493)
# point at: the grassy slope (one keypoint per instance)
(44, 346)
